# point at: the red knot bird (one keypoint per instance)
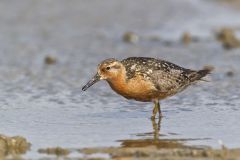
(146, 79)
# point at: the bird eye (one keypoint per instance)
(108, 68)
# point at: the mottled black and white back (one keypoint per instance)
(166, 76)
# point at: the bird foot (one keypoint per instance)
(160, 117)
(152, 117)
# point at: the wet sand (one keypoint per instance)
(146, 149)
(51, 48)
(233, 3)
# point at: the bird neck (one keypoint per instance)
(119, 82)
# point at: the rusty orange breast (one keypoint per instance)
(136, 88)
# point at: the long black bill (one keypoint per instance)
(95, 79)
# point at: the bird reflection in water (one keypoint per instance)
(154, 138)
(156, 128)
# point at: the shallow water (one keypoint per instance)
(45, 104)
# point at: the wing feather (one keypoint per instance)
(165, 76)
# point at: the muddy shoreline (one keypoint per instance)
(146, 149)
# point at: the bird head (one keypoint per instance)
(108, 69)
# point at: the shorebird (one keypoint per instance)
(146, 79)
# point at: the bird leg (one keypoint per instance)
(159, 110)
(156, 109)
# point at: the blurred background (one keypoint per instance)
(50, 48)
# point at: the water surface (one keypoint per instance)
(45, 103)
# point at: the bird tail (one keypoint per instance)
(198, 75)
